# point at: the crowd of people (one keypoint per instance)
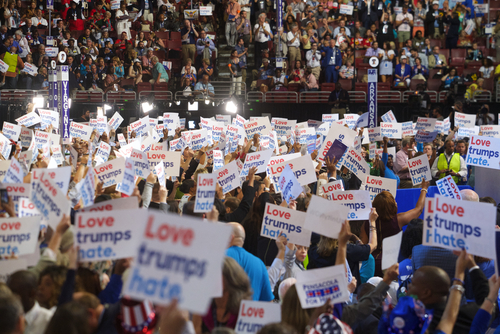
(431, 290)
(117, 47)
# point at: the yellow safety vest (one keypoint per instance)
(453, 164)
(11, 60)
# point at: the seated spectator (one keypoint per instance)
(208, 70)
(341, 37)
(487, 69)
(309, 82)
(118, 69)
(38, 20)
(107, 53)
(111, 83)
(437, 60)
(41, 79)
(101, 67)
(204, 87)
(484, 117)
(359, 42)
(348, 55)
(159, 74)
(402, 73)
(414, 54)
(155, 42)
(426, 48)
(419, 71)
(135, 72)
(347, 71)
(121, 43)
(419, 40)
(373, 51)
(297, 73)
(279, 81)
(449, 78)
(73, 50)
(93, 80)
(338, 29)
(474, 54)
(188, 73)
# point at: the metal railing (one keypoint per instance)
(256, 96)
(497, 95)
(357, 96)
(432, 94)
(484, 96)
(165, 95)
(89, 96)
(18, 95)
(314, 97)
(121, 97)
(282, 97)
(388, 96)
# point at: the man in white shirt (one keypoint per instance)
(263, 34)
(342, 25)
(404, 22)
(245, 6)
(38, 20)
(293, 44)
(313, 57)
(24, 284)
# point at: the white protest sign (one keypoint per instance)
(171, 161)
(102, 124)
(389, 117)
(304, 133)
(355, 162)
(332, 186)
(49, 117)
(57, 154)
(11, 266)
(27, 208)
(358, 201)
(289, 185)
(407, 129)
(253, 315)
(160, 173)
(278, 219)
(350, 120)
(324, 217)
(391, 130)
(79, 130)
(198, 139)
(141, 164)
(141, 127)
(316, 286)
(329, 117)
(198, 248)
(228, 177)
(4, 166)
(60, 177)
(374, 134)
(17, 191)
(108, 235)
(102, 153)
(121, 139)
(302, 167)
(464, 120)
(11, 131)
(19, 235)
(25, 137)
(5, 146)
(419, 169)
(116, 204)
(375, 185)
(115, 121)
(30, 69)
(447, 187)
(15, 173)
(86, 188)
(49, 200)
(390, 250)
(205, 192)
(454, 224)
(484, 152)
(486, 131)
(260, 126)
(218, 159)
(258, 159)
(346, 9)
(425, 137)
(111, 172)
(225, 119)
(205, 10)
(29, 119)
(425, 124)
(127, 185)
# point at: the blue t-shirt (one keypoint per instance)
(388, 172)
(405, 270)
(256, 271)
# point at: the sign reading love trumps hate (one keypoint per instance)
(278, 219)
(171, 161)
(110, 173)
(108, 235)
(257, 159)
(254, 315)
(419, 169)
(332, 186)
(178, 258)
(375, 185)
(228, 177)
(358, 202)
(79, 130)
(302, 167)
(454, 224)
(11, 131)
(447, 187)
(49, 200)
(484, 152)
(205, 192)
(464, 120)
(316, 286)
(289, 185)
(260, 126)
(19, 235)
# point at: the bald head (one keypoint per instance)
(469, 195)
(430, 284)
(24, 284)
(237, 235)
(285, 285)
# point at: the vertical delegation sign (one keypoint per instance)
(50, 4)
(279, 22)
(63, 102)
(52, 89)
(372, 97)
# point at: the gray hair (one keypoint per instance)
(406, 141)
(154, 58)
(11, 310)
(469, 195)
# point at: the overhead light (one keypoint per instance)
(38, 101)
(170, 104)
(207, 101)
(100, 111)
(107, 107)
(178, 102)
(146, 107)
(231, 107)
(193, 106)
(213, 103)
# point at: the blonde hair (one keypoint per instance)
(326, 246)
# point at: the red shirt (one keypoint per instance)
(121, 47)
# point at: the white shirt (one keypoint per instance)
(405, 26)
(37, 319)
(244, 2)
(261, 36)
(296, 42)
(313, 60)
(42, 21)
(463, 166)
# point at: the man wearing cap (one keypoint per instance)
(263, 34)
(233, 11)
(434, 21)
(332, 61)
(404, 22)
